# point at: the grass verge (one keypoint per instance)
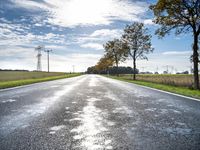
(9, 84)
(173, 89)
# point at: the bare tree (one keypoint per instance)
(138, 42)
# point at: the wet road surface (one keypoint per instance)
(94, 112)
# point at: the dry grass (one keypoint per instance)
(179, 80)
(174, 89)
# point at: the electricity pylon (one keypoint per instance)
(39, 55)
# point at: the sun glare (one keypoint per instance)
(83, 12)
(92, 12)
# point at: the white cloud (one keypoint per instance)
(56, 47)
(109, 33)
(149, 22)
(177, 53)
(16, 52)
(17, 34)
(86, 12)
(99, 36)
(29, 4)
(25, 58)
(96, 46)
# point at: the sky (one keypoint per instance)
(76, 30)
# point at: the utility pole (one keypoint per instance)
(167, 67)
(48, 51)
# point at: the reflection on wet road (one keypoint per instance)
(93, 112)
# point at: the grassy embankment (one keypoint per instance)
(179, 84)
(17, 78)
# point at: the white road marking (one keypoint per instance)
(195, 99)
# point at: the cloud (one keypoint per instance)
(79, 60)
(29, 5)
(47, 25)
(56, 47)
(99, 36)
(109, 33)
(17, 57)
(178, 53)
(158, 62)
(73, 13)
(149, 22)
(19, 34)
(96, 46)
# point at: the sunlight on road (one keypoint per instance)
(92, 129)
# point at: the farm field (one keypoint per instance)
(21, 75)
(180, 80)
(17, 78)
(179, 84)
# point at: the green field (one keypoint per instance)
(179, 84)
(17, 78)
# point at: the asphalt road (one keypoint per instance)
(94, 112)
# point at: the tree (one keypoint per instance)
(91, 70)
(183, 16)
(104, 63)
(138, 41)
(115, 50)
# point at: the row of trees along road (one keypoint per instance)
(135, 43)
(181, 16)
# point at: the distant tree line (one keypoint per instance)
(112, 70)
(14, 70)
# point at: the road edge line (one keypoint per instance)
(170, 93)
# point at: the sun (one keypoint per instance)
(84, 12)
(72, 13)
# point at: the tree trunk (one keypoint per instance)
(134, 69)
(196, 61)
(117, 69)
